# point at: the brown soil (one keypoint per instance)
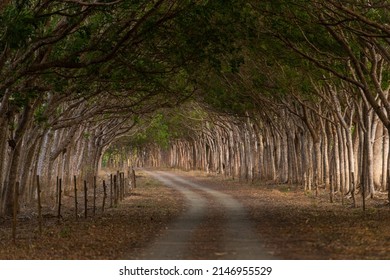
(299, 225)
(293, 224)
(205, 239)
(117, 232)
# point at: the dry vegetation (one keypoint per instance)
(293, 225)
(299, 225)
(113, 235)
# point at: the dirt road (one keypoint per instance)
(214, 226)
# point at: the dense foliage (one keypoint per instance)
(294, 91)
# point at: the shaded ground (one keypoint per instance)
(215, 225)
(298, 225)
(292, 225)
(110, 235)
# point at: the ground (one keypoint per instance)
(290, 223)
(298, 225)
(109, 235)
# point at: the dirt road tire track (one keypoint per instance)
(238, 240)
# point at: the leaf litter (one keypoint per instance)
(117, 232)
(291, 223)
(294, 224)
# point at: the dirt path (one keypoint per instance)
(235, 238)
(172, 244)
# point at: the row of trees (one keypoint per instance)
(277, 148)
(76, 75)
(310, 105)
(292, 91)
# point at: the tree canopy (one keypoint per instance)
(287, 78)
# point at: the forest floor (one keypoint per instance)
(291, 224)
(295, 224)
(109, 235)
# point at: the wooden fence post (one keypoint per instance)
(94, 195)
(15, 212)
(111, 190)
(56, 201)
(59, 198)
(122, 184)
(104, 194)
(118, 187)
(115, 191)
(75, 197)
(85, 199)
(133, 179)
(39, 206)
